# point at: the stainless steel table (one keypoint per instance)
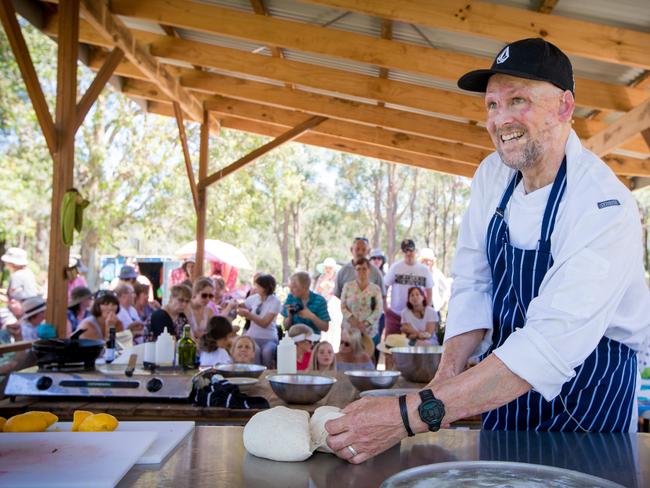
(215, 457)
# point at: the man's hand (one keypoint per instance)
(370, 426)
(307, 314)
(15, 330)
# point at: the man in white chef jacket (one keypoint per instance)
(548, 288)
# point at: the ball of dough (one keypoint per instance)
(317, 427)
(279, 434)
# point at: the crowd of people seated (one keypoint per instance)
(358, 287)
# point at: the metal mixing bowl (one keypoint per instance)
(240, 370)
(418, 364)
(301, 388)
(372, 380)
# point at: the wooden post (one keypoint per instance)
(62, 181)
(201, 210)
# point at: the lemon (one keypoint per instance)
(49, 417)
(78, 417)
(100, 422)
(2, 422)
(26, 422)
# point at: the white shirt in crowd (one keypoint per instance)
(218, 356)
(128, 315)
(401, 277)
(595, 288)
(430, 315)
(272, 304)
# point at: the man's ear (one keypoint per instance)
(567, 106)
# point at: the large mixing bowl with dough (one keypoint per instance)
(240, 370)
(301, 388)
(419, 363)
(364, 379)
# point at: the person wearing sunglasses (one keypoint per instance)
(262, 308)
(199, 312)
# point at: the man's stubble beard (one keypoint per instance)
(531, 154)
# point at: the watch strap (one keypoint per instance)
(405, 416)
(426, 395)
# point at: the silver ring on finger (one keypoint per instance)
(353, 451)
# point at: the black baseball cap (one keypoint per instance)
(534, 59)
(407, 245)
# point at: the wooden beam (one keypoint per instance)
(329, 79)
(646, 136)
(261, 151)
(504, 23)
(111, 27)
(26, 66)
(98, 84)
(435, 100)
(438, 63)
(621, 130)
(201, 212)
(358, 148)
(386, 33)
(627, 166)
(350, 131)
(62, 179)
(178, 113)
(546, 6)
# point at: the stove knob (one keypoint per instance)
(154, 385)
(44, 382)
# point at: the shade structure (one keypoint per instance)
(216, 250)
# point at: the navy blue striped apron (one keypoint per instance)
(600, 397)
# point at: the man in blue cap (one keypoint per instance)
(549, 288)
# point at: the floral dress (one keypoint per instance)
(365, 305)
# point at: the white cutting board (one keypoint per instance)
(170, 434)
(69, 459)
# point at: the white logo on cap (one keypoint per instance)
(505, 54)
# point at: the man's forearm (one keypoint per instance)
(457, 351)
(482, 388)
(321, 324)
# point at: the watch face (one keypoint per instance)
(432, 412)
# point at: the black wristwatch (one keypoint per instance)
(431, 410)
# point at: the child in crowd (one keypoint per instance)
(243, 350)
(322, 357)
(302, 336)
(215, 342)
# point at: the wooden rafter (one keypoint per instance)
(386, 33)
(178, 114)
(98, 84)
(504, 23)
(108, 25)
(621, 130)
(357, 85)
(261, 151)
(347, 130)
(26, 66)
(384, 53)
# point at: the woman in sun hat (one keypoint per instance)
(327, 278)
(22, 282)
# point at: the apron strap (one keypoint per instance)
(501, 209)
(552, 206)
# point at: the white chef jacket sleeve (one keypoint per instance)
(577, 298)
(470, 305)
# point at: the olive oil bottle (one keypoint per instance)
(186, 350)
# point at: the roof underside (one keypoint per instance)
(256, 68)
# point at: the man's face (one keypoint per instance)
(359, 249)
(524, 118)
(409, 256)
(296, 289)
